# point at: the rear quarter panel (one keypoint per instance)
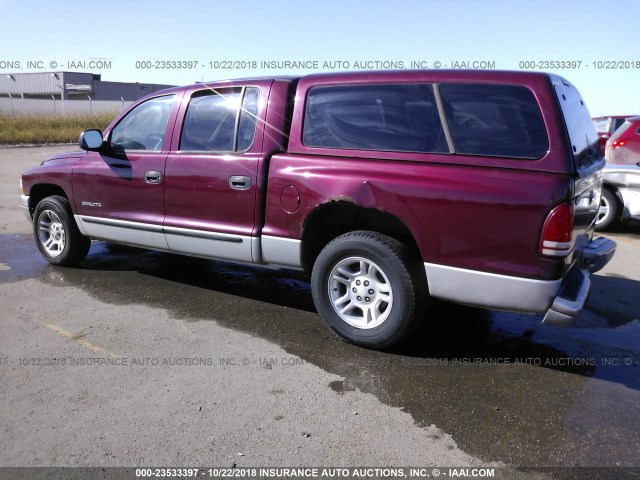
(466, 216)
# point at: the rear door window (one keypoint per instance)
(494, 120)
(221, 120)
(248, 118)
(401, 118)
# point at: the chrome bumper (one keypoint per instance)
(575, 288)
(24, 205)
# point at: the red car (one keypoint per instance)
(605, 126)
(623, 148)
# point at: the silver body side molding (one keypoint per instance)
(122, 231)
(281, 251)
(490, 290)
(188, 232)
(256, 250)
(209, 245)
(197, 243)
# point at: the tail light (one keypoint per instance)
(557, 231)
(618, 143)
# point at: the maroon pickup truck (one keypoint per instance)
(388, 188)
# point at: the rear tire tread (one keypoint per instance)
(398, 256)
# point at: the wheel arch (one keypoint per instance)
(332, 219)
(618, 198)
(41, 191)
(613, 189)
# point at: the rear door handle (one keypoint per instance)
(239, 182)
(152, 176)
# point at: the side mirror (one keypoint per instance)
(91, 140)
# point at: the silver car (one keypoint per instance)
(621, 196)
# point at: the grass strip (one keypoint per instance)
(43, 129)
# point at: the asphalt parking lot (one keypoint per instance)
(145, 358)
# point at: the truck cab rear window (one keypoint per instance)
(494, 120)
(374, 117)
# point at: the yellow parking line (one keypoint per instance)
(81, 341)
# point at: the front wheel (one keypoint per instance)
(368, 288)
(56, 233)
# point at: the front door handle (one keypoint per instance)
(239, 182)
(152, 176)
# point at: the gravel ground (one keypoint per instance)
(143, 358)
(115, 406)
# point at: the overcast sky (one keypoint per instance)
(589, 36)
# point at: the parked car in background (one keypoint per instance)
(621, 193)
(605, 126)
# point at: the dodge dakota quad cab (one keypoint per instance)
(388, 188)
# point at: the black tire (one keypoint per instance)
(608, 212)
(390, 266)
(56, 233)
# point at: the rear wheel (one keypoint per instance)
(367, 289)
(608, 210)
(56, 233)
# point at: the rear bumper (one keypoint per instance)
(561, 299)
(490, 290)
(575, 288)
